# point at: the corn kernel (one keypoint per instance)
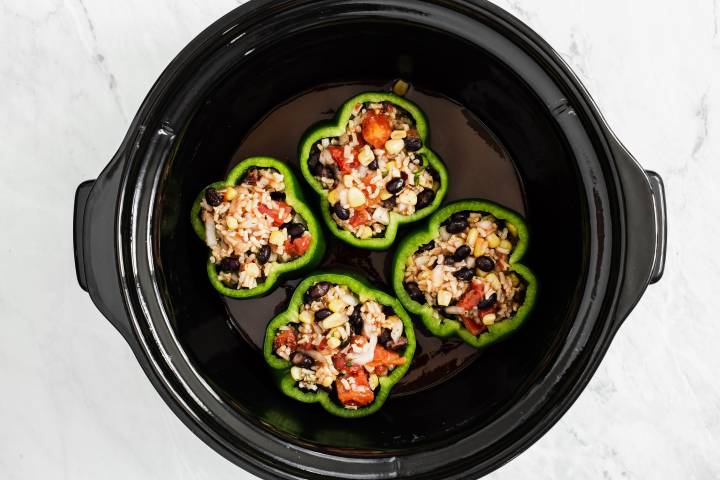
(231, 222)
(356, 198)
(327, 381)
(334, 320)
(489, 319)
(230, 193)
(472, 237)
(366, 232)
(400, 87)
(394, 146)
(366, 155)
(306, 316)
(408, 198)
(347, 181)
(443, 298)
(336, 305)
(398, 134)
(374, 381)
(296, 373)
(333, 342)
(512, 229)
(480, 247)
(334, 196)
(506, 245)
(384, 194)
(514, 280)
(493, 241)
(252, 270)
(277, 237)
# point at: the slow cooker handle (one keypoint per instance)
(94, 245)
(646, 225)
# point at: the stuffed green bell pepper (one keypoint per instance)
(373, 169)
(461, 274)
(340, 343)
(257, 227)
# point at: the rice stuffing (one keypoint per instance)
(342, 345)
(373, 170)
(464, 273)
(250, 229)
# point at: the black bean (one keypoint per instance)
(356, 321)
(462, 252)
(414, 291)
(398, 344)
(427, 247)
(384, 338)
(340, 212)
(395, 185)
(457, 216)
(213, 197)
(485, 263)
(488, 302)
(519, 296)
(373, 165)
(301, 360)
(425, 198)
(449, 261)
(323, 314)
(413, 144)
(277, 196)
(464, 273)
(326, 172)
(456, 226)
(230, 264)
(388, 310)
(295, 229)
(314, 159)
(263, 254)
(433, 173)
(318, 290)
(389, 203)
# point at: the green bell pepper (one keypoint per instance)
(281, 367)
(293, 197)
(438, 324)
(336, 128)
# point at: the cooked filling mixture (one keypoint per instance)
(373, 169)
(342, 345)
(250, 229)
(464, 273)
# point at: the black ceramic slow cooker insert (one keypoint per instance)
(597, 225)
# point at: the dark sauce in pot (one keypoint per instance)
(478, 167)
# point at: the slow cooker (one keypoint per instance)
(597, 222)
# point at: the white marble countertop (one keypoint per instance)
(73, 73)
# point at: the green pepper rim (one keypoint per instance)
(282, 367)
(444, 327)
(293, 197)
(335, 128)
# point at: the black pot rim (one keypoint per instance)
(619, 192)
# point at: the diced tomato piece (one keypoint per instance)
(297, 246)
(385, 357)
(360, 217)
(474, 327)
(472, 296)
(359, 394)
(381, 370)
(286, 337)
(369, 178)
(376, 130)
(338, 156)
(278, 215)
(342, 364)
